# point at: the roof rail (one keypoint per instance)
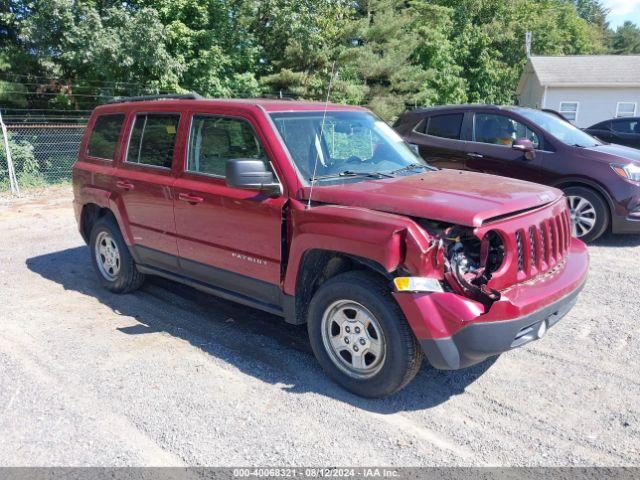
(286, 98)
(170, 96)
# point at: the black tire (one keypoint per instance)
(403, 355)
(127, 278)
(599, 206)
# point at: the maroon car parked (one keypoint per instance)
(601, 181)
(323, 215)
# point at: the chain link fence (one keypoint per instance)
(42, 153)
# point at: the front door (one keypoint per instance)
(227, 237)
(144, 181)
(491, 149)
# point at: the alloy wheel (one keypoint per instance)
(583, 215)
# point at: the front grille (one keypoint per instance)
(543, 242)
(533, 241)
(520, 251)
(547, 244)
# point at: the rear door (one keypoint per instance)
(227, 237)
(144, 179)
(438, 138)
(491, 147)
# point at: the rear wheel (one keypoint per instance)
(111, 259)
(589, 213)
(360, 336)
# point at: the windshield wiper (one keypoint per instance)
(350, 173)
(411, 166)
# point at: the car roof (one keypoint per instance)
(463, 107)
(266, 104)
(616, 119)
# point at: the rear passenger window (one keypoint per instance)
(445, 126)
(153, 139)
(104, 136)
(421, 126)
(214, 140)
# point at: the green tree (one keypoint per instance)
(215, 41)
(489, 40)
(73, 39)
(388, 54)
(300, 41)
(593, 11)
(626, 39)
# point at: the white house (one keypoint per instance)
(586, 89)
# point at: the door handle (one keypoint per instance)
(124, 185)
(475, 155)
(192, 199)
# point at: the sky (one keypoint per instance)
(622, 10)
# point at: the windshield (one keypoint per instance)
(559, 128)
(345, 144)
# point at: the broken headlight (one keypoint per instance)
(471, 262)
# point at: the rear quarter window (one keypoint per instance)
(445, 126)
(104, 136)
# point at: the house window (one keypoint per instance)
(626, 109)
(569, 110)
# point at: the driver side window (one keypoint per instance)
(501, 130)
(214, 140)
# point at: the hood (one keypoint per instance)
(453, 196)
(612, 153)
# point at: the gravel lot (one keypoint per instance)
(170, 376)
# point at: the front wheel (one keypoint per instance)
(589, 213)
(360, 336)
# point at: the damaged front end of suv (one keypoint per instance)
(493, 287)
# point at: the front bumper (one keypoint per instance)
(625, 224)
(456, 332)
(625, 212)
(480, 341)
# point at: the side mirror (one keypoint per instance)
(525, 146)
(414, 148)
(250, 174)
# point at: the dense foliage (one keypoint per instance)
(72, 54)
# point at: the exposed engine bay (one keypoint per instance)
(469, 262)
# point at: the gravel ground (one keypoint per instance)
(171, 376)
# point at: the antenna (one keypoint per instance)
(319, 140)
(528, 37)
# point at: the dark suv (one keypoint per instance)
(622, 131)
(601, 181)
(322, 214)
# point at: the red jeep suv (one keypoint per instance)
(323, 214)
